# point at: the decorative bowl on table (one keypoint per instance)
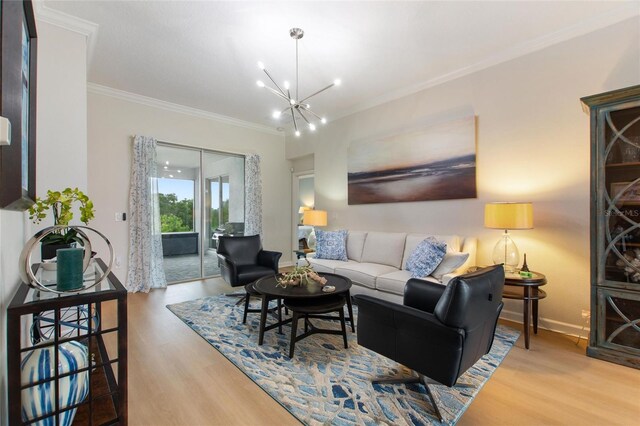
(49, 264)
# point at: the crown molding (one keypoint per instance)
(181, 109)
(629, 10)
(69, 22)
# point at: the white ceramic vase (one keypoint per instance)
(39, 400)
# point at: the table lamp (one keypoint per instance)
(314, 218)
(301, 211)
(508, 216)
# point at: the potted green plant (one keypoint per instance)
(61, 203)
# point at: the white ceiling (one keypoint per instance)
(203, 54)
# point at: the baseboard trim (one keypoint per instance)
(549, 324)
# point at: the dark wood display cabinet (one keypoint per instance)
(85, 335)
(615, 226)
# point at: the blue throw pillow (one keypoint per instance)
(426, 257)
(331, 245)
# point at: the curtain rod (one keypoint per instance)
(195, 148)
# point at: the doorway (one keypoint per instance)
(201, 196)
(303, 199)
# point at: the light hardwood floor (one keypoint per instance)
(177, 378)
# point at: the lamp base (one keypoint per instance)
(311, 239)
(506, 252)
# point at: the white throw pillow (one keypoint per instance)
(450, 263)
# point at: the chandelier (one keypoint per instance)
(295, 106)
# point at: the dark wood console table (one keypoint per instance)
(38, 320)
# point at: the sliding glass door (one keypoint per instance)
(223, 175)
(201, 196)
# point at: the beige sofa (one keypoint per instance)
(377, 261)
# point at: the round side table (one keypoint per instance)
(528, 290)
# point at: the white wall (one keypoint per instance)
(532, 145)
(62, 109)
(61, 158)
(112, 123)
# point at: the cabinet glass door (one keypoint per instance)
(621, 195)
(619, 234)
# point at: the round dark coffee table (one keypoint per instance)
(269, 290)
(307, 308)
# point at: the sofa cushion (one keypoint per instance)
(355, 244)
(325, 265)
(426, 257)
(363, 273)
(331, 245)
(394, 282)
(412, 241)
(385, 248)
(450, 263)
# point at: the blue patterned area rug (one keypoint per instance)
(325, 383)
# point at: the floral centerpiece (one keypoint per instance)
(300, 275)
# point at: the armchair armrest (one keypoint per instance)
(269, 259)
(228, 269)
(223, 259)
(422, 295)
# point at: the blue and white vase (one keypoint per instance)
(38, 365)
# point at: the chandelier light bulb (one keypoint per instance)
(312, 126)
(260, 83)
(337, 82)
(170, 176)
(323, 120)
(307, 106)
(286, 85)
(260, 65)
(276, 114)
(179, 171)
(165, 167)
(166, 162)
(292, 101)
(297, 133)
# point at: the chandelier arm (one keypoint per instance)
(295, 125)
(311, 112)
(302, 115)
(275, 92)
(297, 83)
(285, 110)
(274, 82)
(319, 91)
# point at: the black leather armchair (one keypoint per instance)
(439, 332)
(242, 260)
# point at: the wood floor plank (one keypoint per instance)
(177, 378)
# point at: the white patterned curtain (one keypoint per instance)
(145, 240)
(253, 194)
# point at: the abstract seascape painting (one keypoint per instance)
(437, 162)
